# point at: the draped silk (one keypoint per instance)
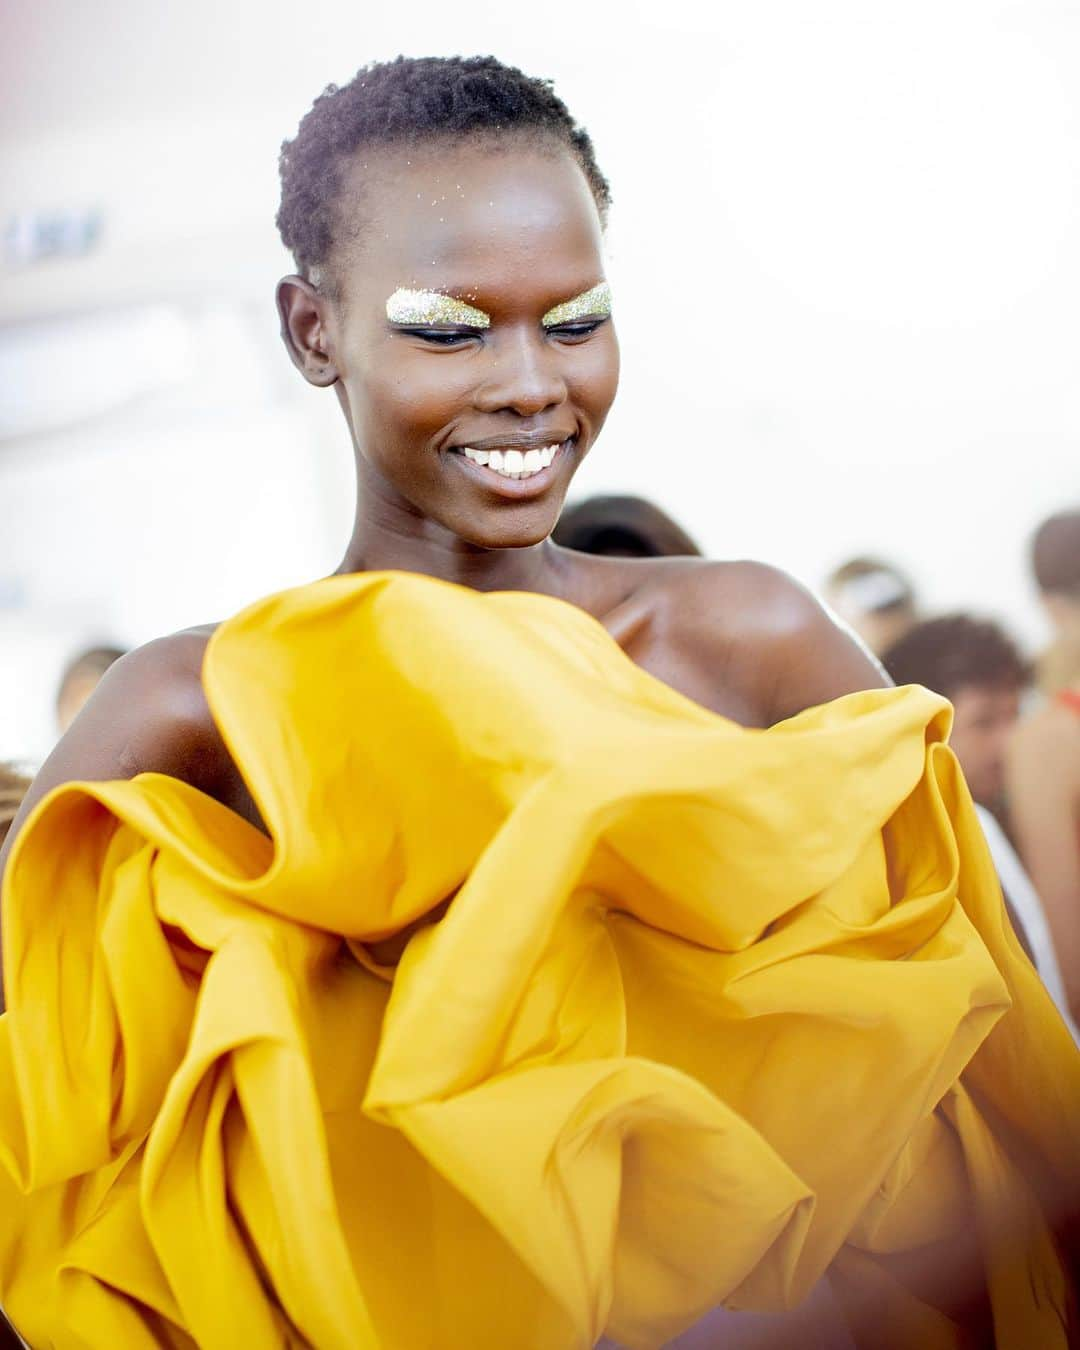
(711, 1012)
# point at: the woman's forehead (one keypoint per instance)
(474, 217)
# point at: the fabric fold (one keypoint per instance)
(685, 1015)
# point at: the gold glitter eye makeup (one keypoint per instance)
(421, 307)
(589, 304)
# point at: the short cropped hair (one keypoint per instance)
(404, 102)
(955, 652)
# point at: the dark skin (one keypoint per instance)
(513, 231)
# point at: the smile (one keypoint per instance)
(513, 463)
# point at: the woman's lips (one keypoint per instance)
(513, 473)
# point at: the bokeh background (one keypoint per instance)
(845, 247)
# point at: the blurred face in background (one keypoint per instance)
(74, 694)
(82, 676)
(985, 719)
(878, 628)
(873, 599)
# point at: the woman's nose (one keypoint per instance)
(523, 375)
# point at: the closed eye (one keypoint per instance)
(580, 328)
(441, 337)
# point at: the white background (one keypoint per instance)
(845, 249)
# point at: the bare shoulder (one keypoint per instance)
(746, 595)
(148, 714)
(150, 706)
(765, 633)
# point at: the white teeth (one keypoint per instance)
(513, 463)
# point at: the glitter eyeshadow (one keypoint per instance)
(423, 307)
(588, 305)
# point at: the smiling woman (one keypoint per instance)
(498, 945)
(453, 320)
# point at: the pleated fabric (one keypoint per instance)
(711, 1012)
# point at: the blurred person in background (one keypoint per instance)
(1044, 758)
(873, 597)
(622, 527)
(975, 664)
(495, 944)
(1055, 564)
(81, 677)
(13, 785)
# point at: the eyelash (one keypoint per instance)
(439, 337)
(581, 329)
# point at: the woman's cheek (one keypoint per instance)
(426, 398)
(596, 379)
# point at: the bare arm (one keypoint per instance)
(1044, 794)
(148, 713)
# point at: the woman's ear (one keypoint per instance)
(303, 330)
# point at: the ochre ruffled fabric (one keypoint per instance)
(711, 1011)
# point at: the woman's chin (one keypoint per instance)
(506, 526)
(506, 535)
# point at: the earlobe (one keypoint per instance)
(303, 330)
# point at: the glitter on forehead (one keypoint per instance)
(406, 306)
(589, 304)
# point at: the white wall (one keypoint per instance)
(843, 244)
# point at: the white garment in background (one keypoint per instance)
(1024, 899)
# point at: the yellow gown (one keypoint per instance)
(712, 1011)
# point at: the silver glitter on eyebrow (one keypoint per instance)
(418, 307)
(589, 304)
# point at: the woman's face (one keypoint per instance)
(513, 232)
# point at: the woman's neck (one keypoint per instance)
(388, 536)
